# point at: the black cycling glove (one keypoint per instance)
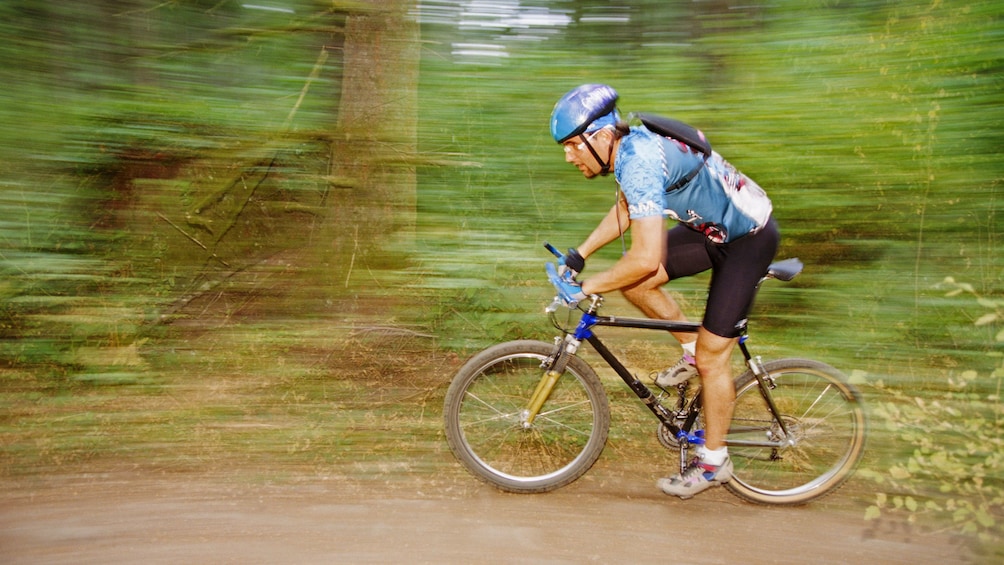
(573, 262)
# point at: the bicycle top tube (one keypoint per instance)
(589, 320)
(647, 324)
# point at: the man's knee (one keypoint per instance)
(712, 365)
(714, 353)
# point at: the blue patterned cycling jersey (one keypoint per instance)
(719, 202)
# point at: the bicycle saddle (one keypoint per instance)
(785, 270)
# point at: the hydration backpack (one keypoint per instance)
(686, 134)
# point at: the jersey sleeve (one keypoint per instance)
(642, 177)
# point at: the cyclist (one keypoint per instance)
(724, 224)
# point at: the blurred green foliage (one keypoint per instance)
(163, 163)
(135, 136)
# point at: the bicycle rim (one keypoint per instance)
(826, 425)
(485, 421)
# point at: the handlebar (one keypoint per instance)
(553, 250)
(556, 281)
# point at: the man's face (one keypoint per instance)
(579, 155)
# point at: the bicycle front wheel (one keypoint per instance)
(825, 422)
(486, 424)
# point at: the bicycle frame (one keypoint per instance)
(584, 332)
(798, 428)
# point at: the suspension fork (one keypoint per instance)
(564, 348)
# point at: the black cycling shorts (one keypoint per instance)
(736, 268)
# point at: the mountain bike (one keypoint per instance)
(530, 417)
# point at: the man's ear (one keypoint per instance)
(607, 134)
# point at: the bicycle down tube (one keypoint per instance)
(643, 392)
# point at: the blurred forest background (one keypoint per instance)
(220, 220)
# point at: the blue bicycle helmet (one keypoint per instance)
(583, 109)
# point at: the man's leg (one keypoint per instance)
(712, 466)
(714, 356)
(737, 267)
(648, 296)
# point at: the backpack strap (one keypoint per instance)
(684, 133)
(685, 179)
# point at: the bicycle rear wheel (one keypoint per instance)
(484, 413)
(826, 425)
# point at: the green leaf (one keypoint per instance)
(960, 514)
(873, 513)
(984, 518)
(987, 303)
(898, 472)
(986, 319)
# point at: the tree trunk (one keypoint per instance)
(372, 202)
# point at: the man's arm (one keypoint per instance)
(610, 228)
(643, 260)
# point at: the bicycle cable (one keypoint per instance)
(617, 212)
(568, 327)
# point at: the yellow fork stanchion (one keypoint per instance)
(540, 396)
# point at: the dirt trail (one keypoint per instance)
(134, 518)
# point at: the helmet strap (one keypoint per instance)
(604, 167)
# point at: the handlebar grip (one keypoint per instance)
(553, 250)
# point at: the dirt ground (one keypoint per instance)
(129, 517)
